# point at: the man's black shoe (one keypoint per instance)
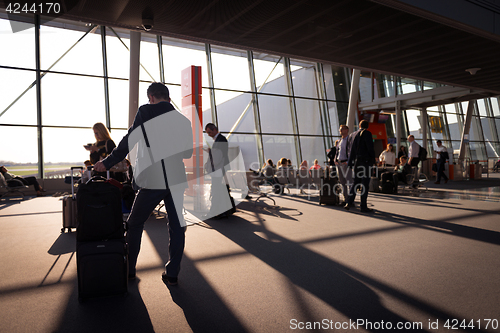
(366, 210)
(348, 206)
(170, 280)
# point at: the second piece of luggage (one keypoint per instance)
(102, 249)
(329, 192)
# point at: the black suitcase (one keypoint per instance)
(329, 194)
(102, 268)
(99, 211)
(101, 250)
(388, 187)
(69, 207)
(374, 185)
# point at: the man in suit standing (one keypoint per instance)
(218, 160)
(361, 159)
(341, 157)
(162, 138)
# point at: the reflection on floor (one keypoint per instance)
(491, 194)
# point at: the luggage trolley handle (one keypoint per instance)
(72, 183)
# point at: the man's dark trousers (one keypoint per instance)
(361, 177)
(145, 202)
(440, 170)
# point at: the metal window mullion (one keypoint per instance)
(491, 121)
(41, 173)
(293, 109)
(256, 110)
(106, 78)
(160, 57)
(323, 107)
(210, 73)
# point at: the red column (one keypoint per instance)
(191, 108)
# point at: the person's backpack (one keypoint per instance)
(422, 154)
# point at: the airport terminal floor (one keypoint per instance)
(421, 263)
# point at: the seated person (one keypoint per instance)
(316, 165)
(26, 181)
(283, 163)
(400, 172)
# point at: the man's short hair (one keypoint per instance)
(343, 127)
(404, 156)
(364, 124)
(411, 136)
(158, 90)
(211, 126)
(439, 141)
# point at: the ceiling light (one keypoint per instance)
(473, 71)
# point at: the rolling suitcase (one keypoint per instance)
(101, 248)
(102, 268)
(374, 185)
(329, 194)
(69, 207)
(99, 206)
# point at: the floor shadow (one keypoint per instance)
(203, 308)
(113, 314)
(65, 243)
(348, 291)
(9, 201)
(442, 225)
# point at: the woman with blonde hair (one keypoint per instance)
(388, 157)
(103, 145)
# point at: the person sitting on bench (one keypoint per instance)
(26, 181)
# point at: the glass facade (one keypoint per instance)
(269, 106)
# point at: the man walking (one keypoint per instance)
(161, 137)
(441, 157)
(218, 159)
(361, 159)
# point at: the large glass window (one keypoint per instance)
(179, 55)
(235, 114)
(313, 148)
(84, 52)
(414, 123)
(18, 102)
(117, 53)
(270, 74)
(149, 59)
(304, 79)
(308, 116)
(248, 146)
(454, 127)
(278, 146)
(20, 146)
(71, 100)
(230, 69)
(275, 116)
(118, 103)
(18, 49)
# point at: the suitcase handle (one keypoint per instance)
(72, 182)
(96, 179)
